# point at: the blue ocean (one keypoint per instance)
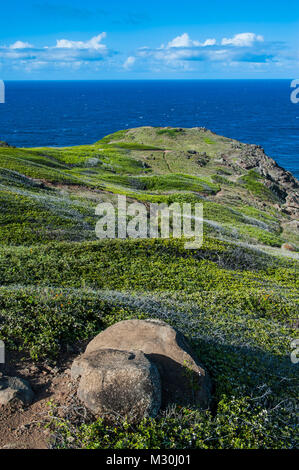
(63, 113)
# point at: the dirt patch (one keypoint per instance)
(165, 159)
(24, 427)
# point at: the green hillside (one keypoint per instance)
(235, 298)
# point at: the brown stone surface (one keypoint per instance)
(183, 379)
(118, 384)
(288, 247)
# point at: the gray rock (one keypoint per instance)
(12, 388)
(117, 384)
(93, 161)
(183, 379)
(4, 144)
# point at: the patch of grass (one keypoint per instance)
(253, 182)
(168, 132)
(29, 216)
(223, 181)
(134, 146)
(262, 236)
(239, 423)
(208, 141)
(177, 182)
(111, 137)
(37, 167)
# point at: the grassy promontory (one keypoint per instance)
(235, 298)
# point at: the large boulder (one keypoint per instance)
(15, 388)
(183, 379)
(117, 384)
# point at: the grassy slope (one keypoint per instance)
(235, 298)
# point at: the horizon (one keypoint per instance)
(150, 79)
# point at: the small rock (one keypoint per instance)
(288, 247)
(92, 161)
(12, 388)
(10, 446)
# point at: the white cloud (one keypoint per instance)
(94, 43)
(21, 45)
(242, 40)
(209, 42)
(182, 51)
(182, 41)
(65, 53)
(185, 41)
(129, 62)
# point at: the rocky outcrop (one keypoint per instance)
(281, 182)
(183, 379)
(5, 144)
(118, 384)
(292, 205)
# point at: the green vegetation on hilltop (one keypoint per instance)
(235, 298)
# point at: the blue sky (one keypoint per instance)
(159, 39)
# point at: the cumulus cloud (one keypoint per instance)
(21, 45)
(129, 62)
(209, 42)
(182, 41)
(181, 53)
(243, 47)
(93, 44)
(243, 40)
(66, 52)
(185, 41)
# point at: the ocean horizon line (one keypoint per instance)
(153, 80)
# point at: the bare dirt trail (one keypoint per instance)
(165, 159)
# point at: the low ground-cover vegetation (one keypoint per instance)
(235, 298)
